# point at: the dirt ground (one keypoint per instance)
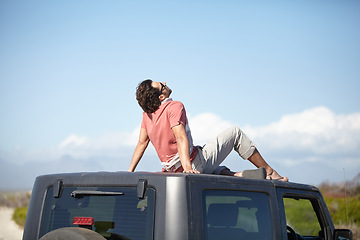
(9, 230)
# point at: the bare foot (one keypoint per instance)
(238, 174)
(273, 175)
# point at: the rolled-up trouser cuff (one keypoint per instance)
(249, 152)
(243, 145)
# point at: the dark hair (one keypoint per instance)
(148, 96)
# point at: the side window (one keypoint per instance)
(301, 219)
(237, 215)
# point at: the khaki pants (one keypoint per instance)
(211, 155)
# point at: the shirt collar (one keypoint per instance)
(166, 100)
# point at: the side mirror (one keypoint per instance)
(343, 234)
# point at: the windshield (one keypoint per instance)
(113, 212)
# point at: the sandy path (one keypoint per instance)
(9, 230)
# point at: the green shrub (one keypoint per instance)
(344, 212)
(19, 215)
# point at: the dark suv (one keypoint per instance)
(122, 205)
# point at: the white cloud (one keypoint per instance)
(73, 141)
(207, 126)
(316, 130)
(108, 144)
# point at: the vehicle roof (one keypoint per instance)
(131, 178)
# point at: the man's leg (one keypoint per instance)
(259, 161)
(216, 151)
(234, 139)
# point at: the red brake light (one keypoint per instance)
(83, 221)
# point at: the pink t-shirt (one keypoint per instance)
(158, 126)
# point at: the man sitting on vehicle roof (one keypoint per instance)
(165, 124)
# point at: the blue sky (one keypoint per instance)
(287, 72)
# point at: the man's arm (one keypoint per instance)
(183, 148)
(139, 149)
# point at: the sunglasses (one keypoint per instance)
(162, 87)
